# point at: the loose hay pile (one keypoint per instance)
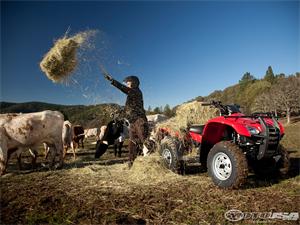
(188, 114)
(62, 58)
(150, 170)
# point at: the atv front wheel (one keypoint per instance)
(227, 165)
(171, 155)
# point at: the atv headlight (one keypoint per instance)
(252, 130)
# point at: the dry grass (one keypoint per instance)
(105, 191)
(291, 140)
(99, 194)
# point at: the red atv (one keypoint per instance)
(229, 145)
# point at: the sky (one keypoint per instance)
(179, 50)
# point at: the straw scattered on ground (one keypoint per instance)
(105, 191)
(150, 170)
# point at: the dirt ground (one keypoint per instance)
(105, 191)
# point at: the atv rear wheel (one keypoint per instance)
(171, 155)
(227, 165)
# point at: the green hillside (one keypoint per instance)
(273, 93)
(89, 116)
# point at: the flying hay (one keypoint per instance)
(62, 58)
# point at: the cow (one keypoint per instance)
(102, 132)
(33, 150)
(118, 144)
(117, 131)
(23, 131)
(110, 134)
(67, 138)
(156, 118)
(78, 136)
(92, 132)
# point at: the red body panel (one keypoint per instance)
(215, 127)
(196, 137)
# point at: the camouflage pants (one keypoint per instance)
(138, 132)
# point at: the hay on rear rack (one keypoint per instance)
(188, 114)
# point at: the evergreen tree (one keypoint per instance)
(246, 80)
(167, 111)
(281, 75)
(247, 77)
(156, 110)
(270, 77)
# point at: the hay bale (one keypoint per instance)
(62, 60)
(188, 114)
(150, 170)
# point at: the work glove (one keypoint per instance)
(108, 77)
(106, 74)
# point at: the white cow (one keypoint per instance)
(67, 138)
(92, 132)
(102, 131)
(33, 150)
(20, 132)
(157, 118)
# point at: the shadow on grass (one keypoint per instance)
(86, 158)
(83, 158)
(254, 181)
(83, 163)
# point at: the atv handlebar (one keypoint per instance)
(212, 103)
(206, 103)
(224, 109)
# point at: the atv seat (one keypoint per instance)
(198, 129)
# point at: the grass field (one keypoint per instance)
(105, 191)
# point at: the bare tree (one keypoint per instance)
(287, 95)
(266, 102)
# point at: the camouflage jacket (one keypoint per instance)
(134, 106)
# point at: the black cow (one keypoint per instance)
(113, 131)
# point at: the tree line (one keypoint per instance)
(166, 110)
(277, 93)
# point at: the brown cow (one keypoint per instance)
(78, 136)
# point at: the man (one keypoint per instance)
(134, 113)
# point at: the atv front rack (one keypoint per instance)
(265, 133)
